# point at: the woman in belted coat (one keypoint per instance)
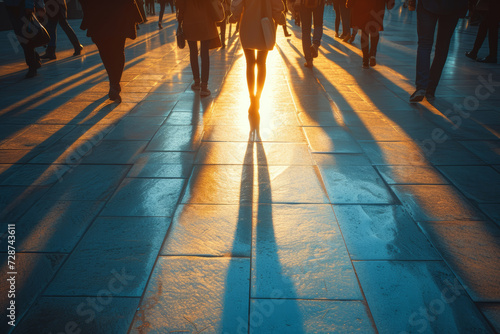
(109, 23)
(254, 44)
(198, 26)
(368, 15)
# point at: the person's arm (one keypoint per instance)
(181, 7)
(236, 10)
(412, 4)
(278, 11)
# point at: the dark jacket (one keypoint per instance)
(110, 18)
(368, 14)
(196, 22)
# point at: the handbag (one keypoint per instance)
(34, 32)
(181, 40)
(216, 10)
(267, 28)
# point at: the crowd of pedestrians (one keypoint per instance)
(111, 22)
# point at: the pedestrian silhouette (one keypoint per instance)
(311, 10)
(256, 42)
(57, 12)
(198, 25)
(109, 24)
(490, 10)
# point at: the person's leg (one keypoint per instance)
(493, 38)
(16, 14)
(50, 52)
(172, 5)
(162, 11)
(345, 15)
(480, 37)
(306, 18)
(63, 22)
(193, 58)
(446, 27)
(205, 61)
(336, 8)
(426, 25)
(223, 33)
(112, 52)
(261, 72)
(317, 14)
(365, 45)
(251, 61)
(374, 38)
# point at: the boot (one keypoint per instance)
(50, 53)
(78, 50)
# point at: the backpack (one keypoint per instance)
(311, 4)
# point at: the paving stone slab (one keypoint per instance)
(488, 151)
(219, 305)
(115, 152)
(16, 200)
(88, 182)
(178, 138)
(479, 183)
(34, 175)
(104, 314)
(230, 184)
(411, 175)
(307, 316)
(145, 197)
(331, 140)
(298, 252)
(34, 271)
(286, 134)
(114, 249)
(355, 185)
(210, 230)
(492, 312)
(381, 232)
(394, 153)
(418, 296)
(472, 250)
(341, 159)
(435, 202)
(52, 227)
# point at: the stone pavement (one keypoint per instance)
(355, 212)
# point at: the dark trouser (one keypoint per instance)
(345, 15)
(222, 26)
(58, 14)
(308, 15)
(205, 60)
(336, 8)
(112, 52)
(18, 18)
(369, 45)
(428, 75)
(162, 11)
(489, 26)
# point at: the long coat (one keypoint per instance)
(110, 18)
(196, 22)
(367, 14)
(251, 13)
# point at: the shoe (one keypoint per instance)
(50, 53)
(429, 96)
(114, 93)
(31, 73)
(373, 61)
(347, 38)
(160, 26)
(204, 90)
(488, 60)
(314, 50)
(309, 64)
(78, 50)
(196, 85)
(417, 96)
(351, 40)
(223, 46)
(337, 34)
(287, 34)
(365, 64)
(471, 54)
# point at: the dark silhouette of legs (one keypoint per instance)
(112, 52)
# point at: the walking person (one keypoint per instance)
(345, 17)
(336, 8)
(311, 11)
(490, 10)
(368, 15)
(445, 15)
(163, 3)
(250, 13)
(109, 24)
(57, 12)
(198, 26)
(18, 10)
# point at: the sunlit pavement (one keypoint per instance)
(355, 212)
